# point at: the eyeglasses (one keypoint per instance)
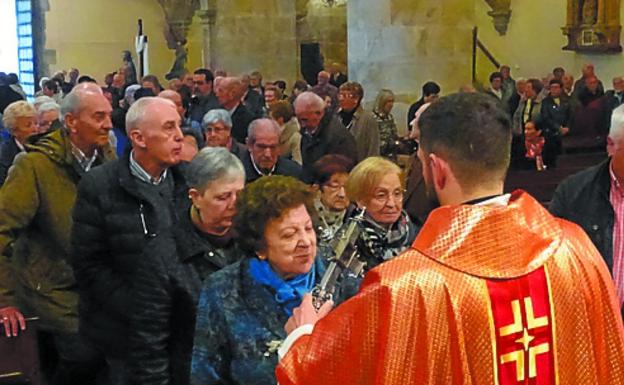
(334, 187)
(383, 196)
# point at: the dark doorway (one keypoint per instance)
(311, 62)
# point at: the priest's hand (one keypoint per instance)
(306, 314)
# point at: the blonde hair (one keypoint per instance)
(17, 110)
(366, 176)
(382, 98)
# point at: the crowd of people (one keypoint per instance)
(171, 235)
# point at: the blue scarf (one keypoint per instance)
(288, 294)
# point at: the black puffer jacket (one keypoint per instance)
(167, 286)
(113, 220)
(583, 198)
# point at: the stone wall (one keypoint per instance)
(256, 35)
(328, 27)
(400, 44)
(533, 42)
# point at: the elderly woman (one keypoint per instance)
(217, 128)
(330, 175)
(243, 308)
(376, 184)
(388, 136)
(20, 120)
(174, 265)
(386, 231)
(48, 117)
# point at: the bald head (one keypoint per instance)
(618, 84)
(176, 98)
(587, 69)
(80, 95)
(153, 127)
(143, 109)
(229, 92)
(88, 87)
(323, 77)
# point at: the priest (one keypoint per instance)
(493, 291)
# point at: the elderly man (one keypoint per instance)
(253, 98)
(580, 86)
(230, 91)
(263, 157)
(594, 199)
(217, 127)
(119, 207)
(321, 133)
(324, 89)
(615, 97)
(204, 99)
(359, 122)
(493, 290)
(195, 129)
(35, 224)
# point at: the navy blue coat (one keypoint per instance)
(236, 318)
(8, 151)
(283, 166)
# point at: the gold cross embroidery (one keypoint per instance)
(517, 326)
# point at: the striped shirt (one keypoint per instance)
(83, 161)
(616, 196)
(139, 172)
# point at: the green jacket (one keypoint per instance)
(35, 225)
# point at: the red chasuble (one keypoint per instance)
(487, 295)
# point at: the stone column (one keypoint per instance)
(207, 17)
(401, 44)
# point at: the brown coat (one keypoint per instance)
(416, 202)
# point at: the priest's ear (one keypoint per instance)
(440, 171)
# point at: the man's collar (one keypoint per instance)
(139, 172)
(455, 235)
(233, 110)
(84, 162)
(253, 163)
(614, 179)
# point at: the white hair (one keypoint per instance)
(48, 106)
(39, 100)
(616, 131)
(263, 122)
(137, 111)
(216, 115)
(212, 164)
(308, 99)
